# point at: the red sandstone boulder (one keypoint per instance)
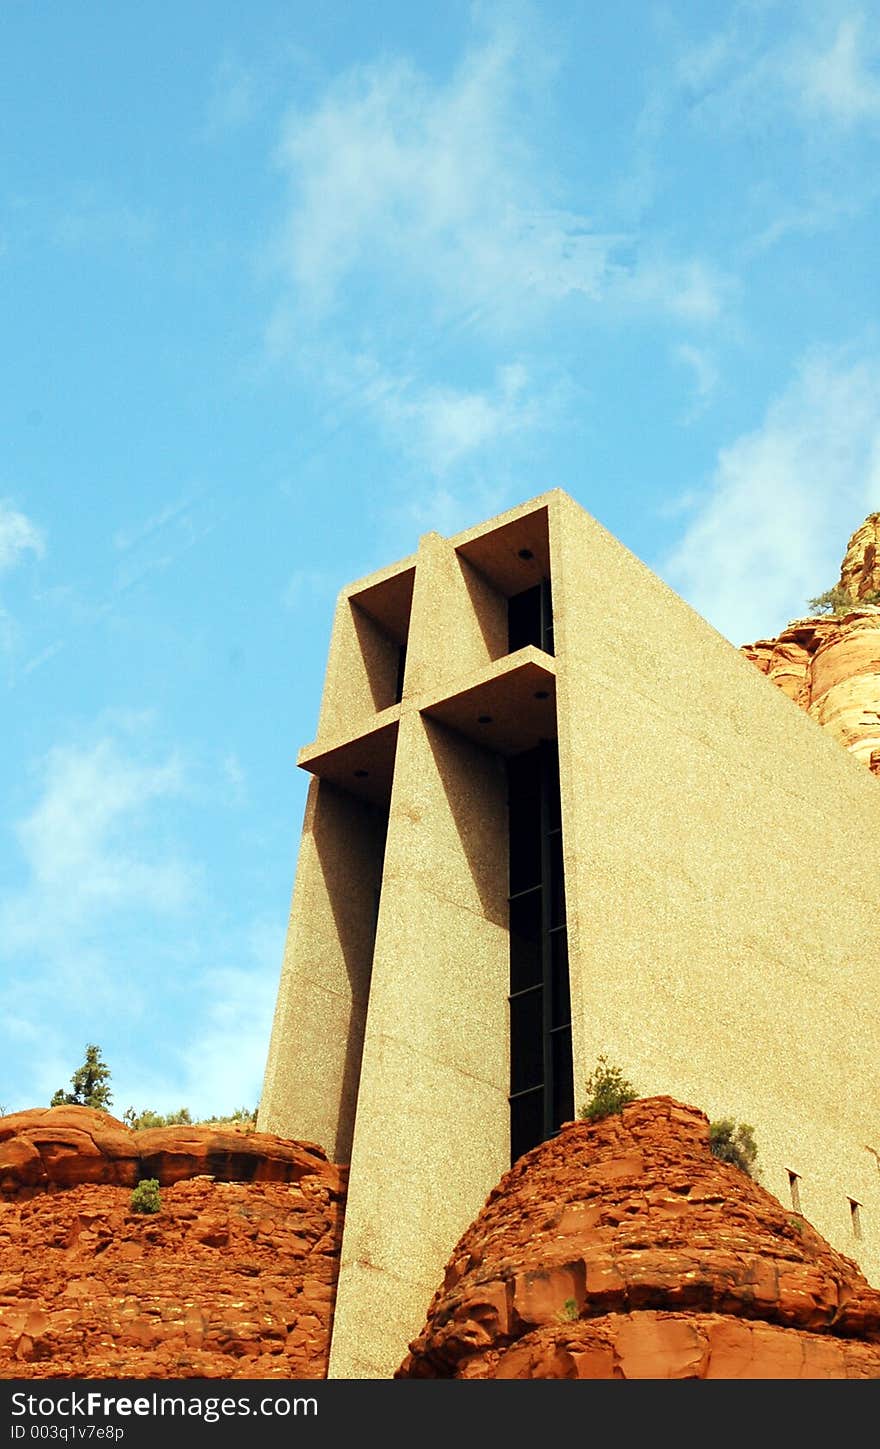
(55, 1147)
(171, 1154)
(653, 1345)
(624, 1249)
(50, 1148)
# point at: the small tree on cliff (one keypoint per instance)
(89, 1084)
(837, 601)
(734, 1142)
(608, 1090)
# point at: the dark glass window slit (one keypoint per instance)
(530, 618)
(541, 1073)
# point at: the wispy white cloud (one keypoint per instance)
(43, 656)
(235, 777)
(222, 1066)
(439, 425)
(769, 532)
(698, 66)
(839, 81)
(234, 98)
(450, 507)
(424, 227)
(803, 82)
(18, 535)
(306, 587)
(87, 850)
(216, 1062)
(704, 372)
(97, 868)
(34, 1036)
(452, 422)
(435, 186)
(820, 65)
(154, 544)
(78, 217)
(692, 291)
(390, 170)
(169, 513)
(104, 911)
(821, 211)
(435, 426)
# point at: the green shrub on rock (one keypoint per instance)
(609, 1092)
(145, 1198)
(734, 1142)
(141, 1121)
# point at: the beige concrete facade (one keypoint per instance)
(722, 911)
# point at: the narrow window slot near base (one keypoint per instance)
(541, 1070)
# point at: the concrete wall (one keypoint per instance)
(362, 659)
(459, 622)
(313, 1068)
(723, 907)
(432, 1132)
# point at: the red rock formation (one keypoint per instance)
(860, 570)
(624, 1249)
(231, 1279)
(48, 1148)
(620, 1249)
(830, 665)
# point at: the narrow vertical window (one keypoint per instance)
(855, 1215)
(541, 1072)
(794, 1189)
(530, 619)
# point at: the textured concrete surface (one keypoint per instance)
(362, 660)
(318, 1030)
(431, 1135)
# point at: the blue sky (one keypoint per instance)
(286, 285)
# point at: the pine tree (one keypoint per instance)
(89, 1084)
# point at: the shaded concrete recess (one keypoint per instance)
(701, 869)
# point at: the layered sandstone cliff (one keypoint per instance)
(860, 570)
(49, 1148)
(235, 1277)
(624, 1249)
(830, 665)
